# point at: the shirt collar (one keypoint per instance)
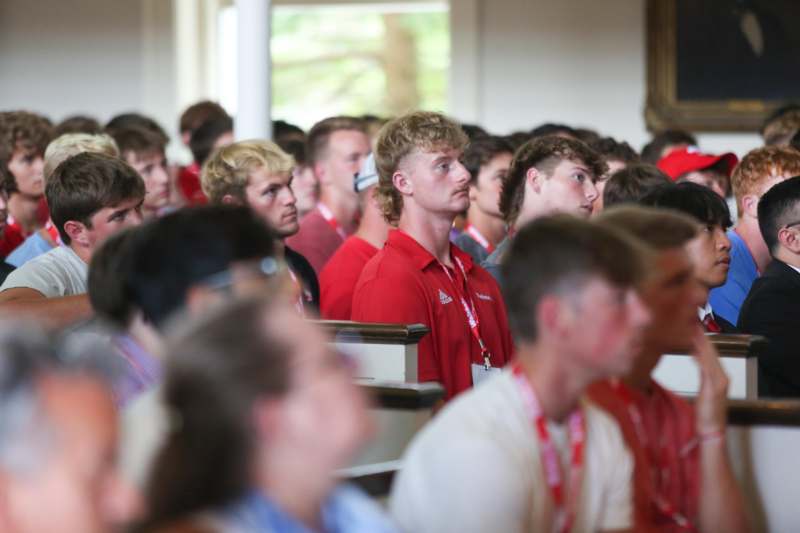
(421, 257)
(704, 311)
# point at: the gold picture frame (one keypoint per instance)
(664, 109)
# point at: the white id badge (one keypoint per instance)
(479, 373)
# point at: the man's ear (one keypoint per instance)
(750, 205)
(77, 232)
(789, 240)
(402, 183)
(230, 199)
(534, 177)
(319, 172)
(553, 316)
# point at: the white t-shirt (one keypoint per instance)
(476, 467)
(59, 272)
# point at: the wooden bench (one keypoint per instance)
(383, 352)
(738, 355)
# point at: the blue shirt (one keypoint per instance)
(347, 510)
(33, 246)
(727, 300)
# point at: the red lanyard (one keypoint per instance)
(479, 238)
(470, 311)
(327, 214)
(657, 471)
(565, 506)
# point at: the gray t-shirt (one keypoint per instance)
(59, 272)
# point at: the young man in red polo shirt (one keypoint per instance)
(683, 479)
(337, 146)
(340, 275)
(419, 277)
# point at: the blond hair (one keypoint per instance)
(758, 166)
(422, 130)
(229, 168)
(70, 144)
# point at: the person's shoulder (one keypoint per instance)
(355, 511)
(485, 411)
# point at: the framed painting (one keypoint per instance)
(720, 65)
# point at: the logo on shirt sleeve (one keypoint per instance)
(444, 298)
(484, 297)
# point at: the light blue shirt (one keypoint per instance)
(33, 246)
(727, 300)
(347, 510)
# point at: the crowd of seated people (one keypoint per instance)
(161, 370)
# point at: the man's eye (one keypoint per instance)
(444, 167)
(28, 159)
(579, 176)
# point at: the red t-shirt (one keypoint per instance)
(189, 184)
(316, 240)
(404, 284)
(669, 427)
(11, 238)
(338, 279)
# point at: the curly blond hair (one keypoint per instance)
(228, 169)
(421, 130)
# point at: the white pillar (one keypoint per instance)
(253, 66)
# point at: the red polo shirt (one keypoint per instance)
(338, 279)
(405, 284)
(316, 240)
(668, 423)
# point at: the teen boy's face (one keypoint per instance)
(710, 252)
(485, 193)
(437, 181)
(27, 167)
(714, 180)
(110, 220)
(270, 195)
(612, 322)
(673, 294)
(570, 188)
(152, 168)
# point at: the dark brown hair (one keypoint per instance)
(544, 153)
(21, 130)
(481, 151)
(86, 183)
(629, 184)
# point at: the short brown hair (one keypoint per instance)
(320, 133)
(630, 184)
(657, 228)
(86, 183)
(138, 141)
(760, 164)
(422, 130)
(229, 168)
(780, 130)
(544, 153)
(21, 130)
(481, 151)
(553, 254)
(196, 114)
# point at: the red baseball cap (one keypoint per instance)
(683, 160)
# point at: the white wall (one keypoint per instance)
(581, 62)
(100, 57)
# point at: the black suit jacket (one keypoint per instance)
(772, 309)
